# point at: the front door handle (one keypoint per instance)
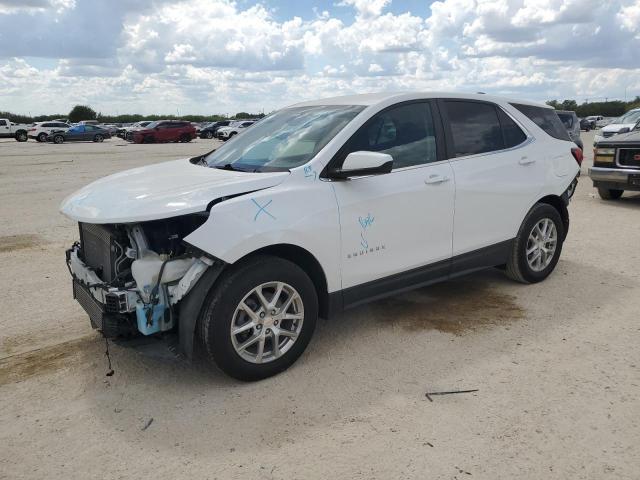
(435, 179)
(526, 161)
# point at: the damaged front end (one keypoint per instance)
(130, 278)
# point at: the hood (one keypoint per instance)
(623, 138)
(160, 191)
(616, 127)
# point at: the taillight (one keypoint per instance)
(577, 154)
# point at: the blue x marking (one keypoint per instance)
(262, 208)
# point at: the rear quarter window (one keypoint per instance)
(545, 118)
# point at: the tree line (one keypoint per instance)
(85, 112)
(613, 108)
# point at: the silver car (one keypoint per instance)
(572, 124)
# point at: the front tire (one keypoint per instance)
(58, 139)
(259, 318)
(208, 135)
(98, 138)
(538, 245)
(608, 194)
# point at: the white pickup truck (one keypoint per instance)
(9, 129)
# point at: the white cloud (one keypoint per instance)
(207, 56)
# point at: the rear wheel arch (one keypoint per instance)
(559, 204)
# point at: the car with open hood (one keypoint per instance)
(320, 207)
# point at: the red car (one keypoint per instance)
(163, 131)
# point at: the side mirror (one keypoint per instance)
(359, 164)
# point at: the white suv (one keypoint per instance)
(320, 207)
(225, 133)
(41, 130)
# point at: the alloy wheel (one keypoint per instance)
(267, 322)
(541, 244)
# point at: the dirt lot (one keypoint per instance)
(557, 364)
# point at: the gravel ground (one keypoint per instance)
(556, 364)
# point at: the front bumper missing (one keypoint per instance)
(121, 311)
(111, 325)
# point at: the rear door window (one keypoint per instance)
(546, 119)
(475, 127)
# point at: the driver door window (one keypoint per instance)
(405, 132)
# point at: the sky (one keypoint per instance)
(224, 56)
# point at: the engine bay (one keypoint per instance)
(128, 277)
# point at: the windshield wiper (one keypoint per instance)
(228, 166)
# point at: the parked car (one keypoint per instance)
(319, 207)
(234, 128)
(622, 124)
(572, 124)
(111, 128)
(586, 125)
(122, 131)
(616, 165)
(210, 130)
(41, 130)
(8, 129)
(79, 133)
(163, 131)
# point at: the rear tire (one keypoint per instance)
(226, 307)
(538, 245)
(42, 137)
(608, 194)
(185, 138)
(21, 136)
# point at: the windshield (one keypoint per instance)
(285, 139)
(629, 117)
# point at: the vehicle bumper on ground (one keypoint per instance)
(615, 178)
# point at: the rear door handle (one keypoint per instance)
(435, 179)
(526, 161)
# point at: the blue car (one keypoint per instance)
(79, 133)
